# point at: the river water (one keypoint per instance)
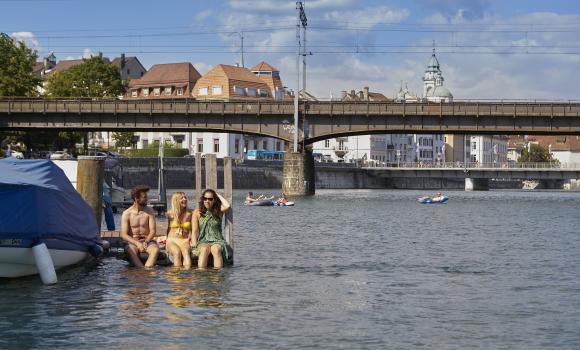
(345, 269)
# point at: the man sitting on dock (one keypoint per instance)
(138, 229)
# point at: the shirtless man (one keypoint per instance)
(138, 229)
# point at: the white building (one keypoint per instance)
(489, 149)
(433, 89)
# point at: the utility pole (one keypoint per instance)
(242, 38)
(300, 21)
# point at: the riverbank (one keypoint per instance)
(252, 174)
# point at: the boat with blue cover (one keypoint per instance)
(433, 200)
(44, 222)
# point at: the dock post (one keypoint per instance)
(210, 171)
(90, 175)
(298, 174)
(228, 194)
(198, 184)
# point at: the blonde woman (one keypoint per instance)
(179, 231)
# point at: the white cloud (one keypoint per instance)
(202, 67)
(203, 14)
(28, 38)
(368, 17)
(280, 6)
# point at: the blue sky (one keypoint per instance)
(525, 49)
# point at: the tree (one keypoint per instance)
(95, 77)
(16, 66)
(537, 154)
(123, 139)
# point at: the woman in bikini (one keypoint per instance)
(179, 231)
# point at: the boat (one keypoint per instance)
(46, 224)
(433, 200)
(260, 203)
(278, 203)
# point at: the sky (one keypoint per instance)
(488, 49)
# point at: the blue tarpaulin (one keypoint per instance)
(38, 202)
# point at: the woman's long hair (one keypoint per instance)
(175, 205)
(216, 205)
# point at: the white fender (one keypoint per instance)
(44, 264)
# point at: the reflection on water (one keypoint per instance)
(342, 270)
(200, 288)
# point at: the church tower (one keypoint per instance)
(433, 89)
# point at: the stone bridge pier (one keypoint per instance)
(298, 177)
(476, 184)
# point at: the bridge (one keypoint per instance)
(477, 175)
(318, 120)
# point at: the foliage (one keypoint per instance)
(95, 77)
(16, 67)
(123, 139)
(537, 154)
(170, 150)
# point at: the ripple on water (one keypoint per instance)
(342, 270)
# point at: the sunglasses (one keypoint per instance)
(208, 199)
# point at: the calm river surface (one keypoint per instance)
(346, 269)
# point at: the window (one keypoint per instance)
(263, 92)
(278, 145)
(245, 145)
(326, 143)
(202, 91)
(134, 93)
(145, 92)
(265, 144)
(128, 71)
(238, 91)
(200, 145)
(157, 91)
(216, 90)
(251, 92)
(216, 145)
(179, 91)
(168, 91)
(145, 143)
(237, 146)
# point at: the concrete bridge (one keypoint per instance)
(477, 176)
(317, 121)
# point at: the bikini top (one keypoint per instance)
(186, 225)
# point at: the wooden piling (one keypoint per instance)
(198, 184)
(228, 194)
(90, 176)
(210, 171)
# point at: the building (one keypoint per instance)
(170, 80)
(564, 148)
(457, 148)
(271, 76)
(362, 148)
(487, 149)
(225, 82)
(130, 68)
(433, 89)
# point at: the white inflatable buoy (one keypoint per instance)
(44, 264)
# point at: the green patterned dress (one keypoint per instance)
(210, 232)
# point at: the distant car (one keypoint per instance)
(60, 155)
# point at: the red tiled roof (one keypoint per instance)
(264, 66)
(161, 74)
(238, 73)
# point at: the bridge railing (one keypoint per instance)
(311, 108)
(470, 165)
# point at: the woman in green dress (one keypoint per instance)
(207, 237)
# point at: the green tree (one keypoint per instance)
(537, 154)
(95, 77)
(123, 139)
(16, 65)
